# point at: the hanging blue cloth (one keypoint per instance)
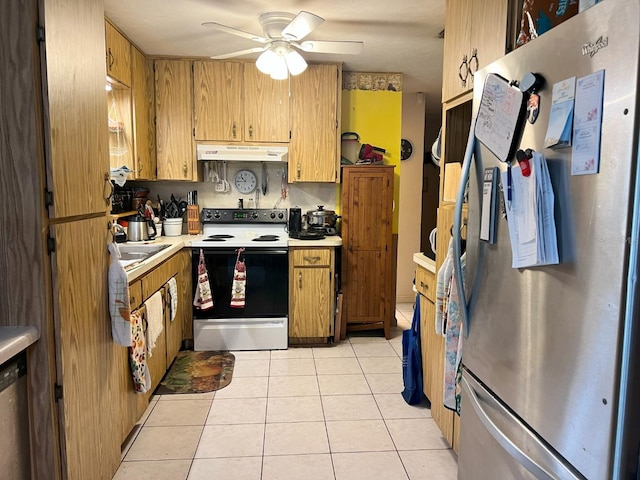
(412, 359)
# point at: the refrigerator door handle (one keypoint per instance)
(505, 442)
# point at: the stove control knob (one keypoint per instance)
(280, 215)
(272, 215)
(254, 215)
(207, 215)
(216, 214)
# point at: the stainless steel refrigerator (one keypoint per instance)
(550, 365)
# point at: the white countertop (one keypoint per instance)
(184, 241)
(14, 340)
(424, 261)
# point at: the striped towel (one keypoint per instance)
(173, 297)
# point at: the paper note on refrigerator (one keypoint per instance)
(585, 154)
(530, 216)
(561, 114)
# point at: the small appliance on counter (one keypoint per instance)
(321, 221)
(138, 229)
(295, 222)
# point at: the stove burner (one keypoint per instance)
(214, 239)
(220, 236)
(266, 238)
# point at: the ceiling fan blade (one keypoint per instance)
(321, 46)
(302, 25)
(235, 31)
(239, 53)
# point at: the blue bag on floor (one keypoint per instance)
(412, 359)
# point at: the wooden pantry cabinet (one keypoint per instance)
(311, 295)
(367, 276)
(118, 55)
(475, 35)
(314, 149)
(176, 158)
(144, 129)
(235, 102)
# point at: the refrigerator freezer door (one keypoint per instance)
(546, 340)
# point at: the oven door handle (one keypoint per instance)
(234, 251)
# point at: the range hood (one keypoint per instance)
(245, 153)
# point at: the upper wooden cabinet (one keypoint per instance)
(235, 102)
(144, 130)
(176, 159)
(118, 55)
(315, 113)
(475, 36)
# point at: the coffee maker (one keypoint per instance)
(295, 222)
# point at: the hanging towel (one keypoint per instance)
(138, 355)
(154, 320)
(442, 289)
(173, 298)
(119, 308)
(453, 343)
(203, 299)
(239, 286)
(412, 359)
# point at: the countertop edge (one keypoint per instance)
(14, 340)
(424, 261)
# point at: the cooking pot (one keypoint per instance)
(138, 229)
(321, 217)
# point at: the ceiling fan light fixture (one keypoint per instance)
(279, 68)
(266, 60)
(295, 63)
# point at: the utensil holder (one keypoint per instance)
(193, 219)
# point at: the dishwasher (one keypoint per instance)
(14, 419)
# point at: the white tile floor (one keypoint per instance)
(302, 413)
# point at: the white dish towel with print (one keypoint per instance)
(154, 320)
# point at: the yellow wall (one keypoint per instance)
(377, 117)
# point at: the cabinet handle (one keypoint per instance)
(111, 59)
(184, 168)
(463, 69)
(251, 132)
(140, 166)
(474, 58)
(234, 130)
(311, 259)
(424, 285)
(298, 169)
(107, 180)
(300, 280)
(132, 301)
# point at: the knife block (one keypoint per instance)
(193, 219)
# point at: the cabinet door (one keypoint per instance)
(118, 55)
(142, 86)
(86, 354)
(311, 302)
(266, 107)
(218, 100)
(457, 28)
(174, 108)
(313, 149)
(488, 34)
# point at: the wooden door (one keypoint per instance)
(118, 54)
(266, 107)
(76, 143)
(174, 109)
(488, 34)
(366, 229)
(313, 149)
(457, 28)
(311, 302)
(217, 93)
(89, 408)
(142, 87)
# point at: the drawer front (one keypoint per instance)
(317, 257)
(426, 283)
(155, 279)
(135, 294)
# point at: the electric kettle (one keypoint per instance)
(295, 222)
(138, 229)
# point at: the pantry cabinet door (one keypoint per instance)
(311, 303)
(143, 92)
(266, 107)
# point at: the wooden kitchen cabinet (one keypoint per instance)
(367, 199)
(314, 149)
(311, 294)
(235, 102)
(176, 158)
(118, 55)
(475, 36)
(144, 130)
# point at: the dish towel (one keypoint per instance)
(239, 286)
(203, 299)
(453, 343)
(173, 297)
(442, 289)
(119, 308)
(154, 320)
(138, 355)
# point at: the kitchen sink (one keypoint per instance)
(131, 254)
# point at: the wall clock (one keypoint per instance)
(245, 181)
(406, 149)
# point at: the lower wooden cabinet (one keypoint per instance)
(311, 295)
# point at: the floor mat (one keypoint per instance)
(198, 372)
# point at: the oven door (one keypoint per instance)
(267, 287)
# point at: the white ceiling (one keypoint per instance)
(399, 36)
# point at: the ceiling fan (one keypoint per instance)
(282, 35)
